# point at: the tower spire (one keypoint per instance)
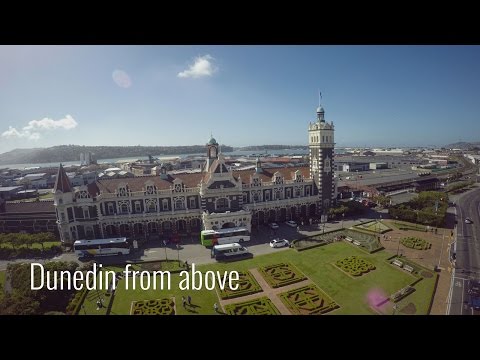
(319, 98)
(62, 182)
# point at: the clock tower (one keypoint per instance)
(321, 150)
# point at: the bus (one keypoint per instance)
(229, 251)
(224, 236)
(100, 247)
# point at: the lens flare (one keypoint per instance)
(121, 78)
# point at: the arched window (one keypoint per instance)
(179, 205)
(151, 207)
(124, 208)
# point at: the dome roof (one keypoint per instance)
(212, 141)
(320, 109)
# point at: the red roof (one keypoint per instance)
(267, 174)
(138, 183)
(190, 180)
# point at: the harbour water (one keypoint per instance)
(165, 157)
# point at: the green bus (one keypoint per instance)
(224, 236)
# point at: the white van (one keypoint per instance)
(228, 251)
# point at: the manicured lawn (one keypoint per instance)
(422, 295)
(90, 303)
(351, 294)
(406, 225)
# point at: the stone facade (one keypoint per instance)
(167, 205)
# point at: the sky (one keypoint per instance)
(243, 95)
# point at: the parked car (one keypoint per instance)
(274, 226)
(468, 221)
(291, 223)
(474, 294)
(275, 243)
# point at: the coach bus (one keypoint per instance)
(224, 236)
(100, 247)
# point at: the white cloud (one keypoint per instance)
(34, 127)
(121, 78)
(67, 123)
(202, 66)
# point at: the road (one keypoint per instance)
(467, 250)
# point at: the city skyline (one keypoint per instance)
(178, 95)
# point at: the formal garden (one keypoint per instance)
(153, 307)
(416, 243)
(365, 240)
(278, 275)
(286, 268)
(355, 266)
(247, 285)
(308, 300)
(260, 306)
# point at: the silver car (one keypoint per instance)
(275, 243)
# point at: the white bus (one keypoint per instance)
(99, 247)
(224, 236)
(228, 251)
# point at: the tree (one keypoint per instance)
(382, 200)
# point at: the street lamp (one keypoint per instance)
(165, 245)
(398, 247)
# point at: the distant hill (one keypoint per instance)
(270, 147)
(72, 153)
(463, 145)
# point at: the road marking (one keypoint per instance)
(458, 283)
(461, 312)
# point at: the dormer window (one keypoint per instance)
(83, 194)
(178, 187)
(122, 192)
(150, 190)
